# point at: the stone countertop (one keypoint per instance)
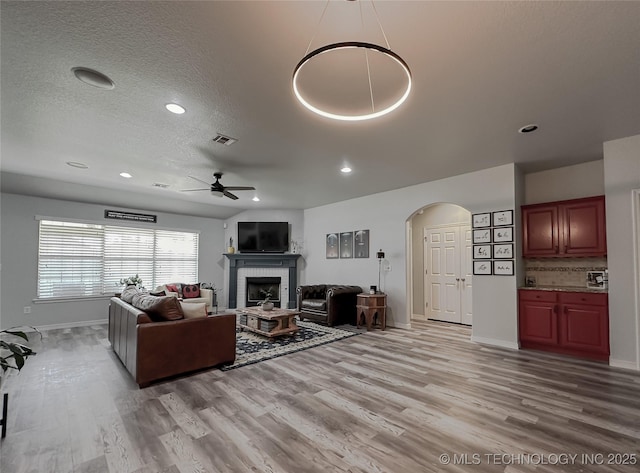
(564, 289)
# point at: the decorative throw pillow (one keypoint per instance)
(172, 288)
(128, 293)
(194, 310)
(190, 291)
(159, 308)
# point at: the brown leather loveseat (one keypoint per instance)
(329, 304)
(155, 350)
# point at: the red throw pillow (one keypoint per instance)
(172, 288)
(190, 291)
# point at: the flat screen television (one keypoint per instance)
(263, 237)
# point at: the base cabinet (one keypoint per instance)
(572, 323)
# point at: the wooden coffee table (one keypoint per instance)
(270, 323)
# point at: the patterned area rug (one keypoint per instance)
(253, 348)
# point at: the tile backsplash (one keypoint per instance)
(562, 271)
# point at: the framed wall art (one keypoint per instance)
(502, 218)
(504, 251)
(481, 251)
(482, 236)
(501, 234)
(332, 246)
(503, 268)
(361, 244)
(481, 267)
(481, 220)
(346, 245)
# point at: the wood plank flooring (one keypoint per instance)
(385, 402)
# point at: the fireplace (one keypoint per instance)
(283, 265)
(257, 289)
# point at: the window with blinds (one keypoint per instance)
(85, 260)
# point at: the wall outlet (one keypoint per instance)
(27, 309)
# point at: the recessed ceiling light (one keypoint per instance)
(256, 199)
(175, 108)
(75, 164)
(528, 128)
(125, 175)
(346, 170)
(94, 78)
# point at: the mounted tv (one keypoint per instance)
(263, 237)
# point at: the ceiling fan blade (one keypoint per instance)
(230, 195)
(200, 180)
(194, 190)
(240, 188)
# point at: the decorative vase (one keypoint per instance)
(267, 306)
(231, 250)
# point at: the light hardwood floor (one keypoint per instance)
(391, 401)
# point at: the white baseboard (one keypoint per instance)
(399, 325)
(627, 365)
(85, 323)
(495, 342)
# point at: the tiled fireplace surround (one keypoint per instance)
(242, 266)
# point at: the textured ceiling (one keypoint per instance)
(481, 70)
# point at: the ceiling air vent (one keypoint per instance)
(224, 140)
(161, 185)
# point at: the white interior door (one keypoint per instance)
(447, 264)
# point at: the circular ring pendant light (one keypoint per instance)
(346, 45)
(361, 114)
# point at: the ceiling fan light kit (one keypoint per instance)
(373, 110)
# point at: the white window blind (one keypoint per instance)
(83, 260)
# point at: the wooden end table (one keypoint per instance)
(369, 305)
(270, 323)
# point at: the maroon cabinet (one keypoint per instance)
(538, 317)
(584, 322)
(564, 229)
(573, 323)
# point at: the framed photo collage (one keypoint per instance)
(493, 243)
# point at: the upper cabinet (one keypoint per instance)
(570, 228)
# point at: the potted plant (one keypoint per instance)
(266, 304)
(132, 281)
(12, 356)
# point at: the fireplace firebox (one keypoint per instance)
(257, 289)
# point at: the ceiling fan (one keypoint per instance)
(218, 189)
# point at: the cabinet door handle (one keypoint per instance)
(462, 279)
(457, 279)
(555, 309)
(564, 310)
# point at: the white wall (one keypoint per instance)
(385, 215)
(19, 256)
(621, 177)
(439, 214)
(569, 182)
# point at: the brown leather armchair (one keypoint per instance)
(329, 304)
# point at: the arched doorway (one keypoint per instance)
(439, 262)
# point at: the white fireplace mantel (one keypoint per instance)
(285, 261)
